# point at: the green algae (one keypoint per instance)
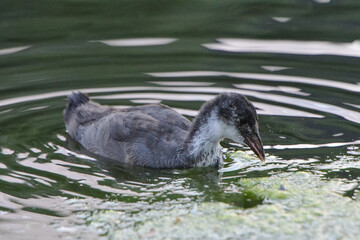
(296, 205)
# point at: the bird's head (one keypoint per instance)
(238, 112)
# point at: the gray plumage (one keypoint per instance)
(157, 136)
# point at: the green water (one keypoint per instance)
(297, 61)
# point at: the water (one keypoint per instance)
(298, 62)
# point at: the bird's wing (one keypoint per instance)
(133, 137)
(163, 114)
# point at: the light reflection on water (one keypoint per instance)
(285, 89)
(286, 47)
(307, 104)
(6, 51)
(263, 77)
(262, 108)
(137, 42)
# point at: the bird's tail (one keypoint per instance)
(75, 99)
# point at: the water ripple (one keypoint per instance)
(311, 146)
(263, 108)
(263, 77)
(6, 51)
(136, 42)
(264, 88)
(286, 47)
(304, 103)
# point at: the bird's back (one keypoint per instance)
(148, 135)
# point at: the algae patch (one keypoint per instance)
(296, 205)
(308, 207)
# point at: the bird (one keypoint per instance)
(156, 136)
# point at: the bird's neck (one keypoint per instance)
(202, 144)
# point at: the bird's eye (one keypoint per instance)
(242, 121)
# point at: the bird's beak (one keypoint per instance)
(254, 142)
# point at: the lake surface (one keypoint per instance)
(297, 61)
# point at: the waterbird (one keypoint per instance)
(157, 136)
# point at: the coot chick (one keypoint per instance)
(156, 136)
